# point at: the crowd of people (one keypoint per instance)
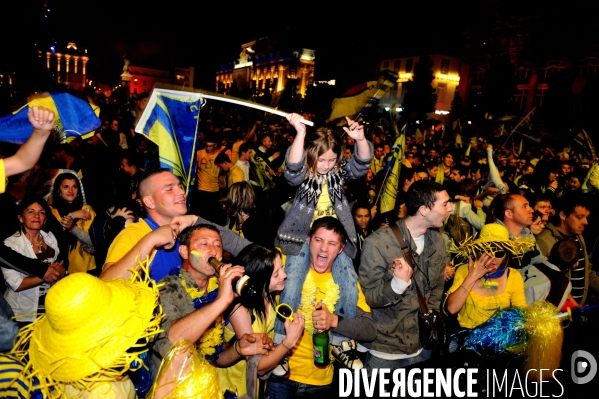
(295, 209)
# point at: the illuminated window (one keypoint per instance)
(441, 92)
(444, 66)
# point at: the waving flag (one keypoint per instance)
(260, 173)
(391, 183)
(73, 117)
(386, 81)
(353, 100)
(171, 120)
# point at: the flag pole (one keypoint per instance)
(195, 138)
(382, 187)
(253, 105)
(518, 125)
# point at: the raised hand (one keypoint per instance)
(42, 119)
(354, 129)
(294, 120)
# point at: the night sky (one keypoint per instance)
(198, 34)
(195, 33)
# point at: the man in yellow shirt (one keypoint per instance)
(155, 236)
(324, 288)
(235, 173)
(205, 201)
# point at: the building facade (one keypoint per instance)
(143, 79)
(68, 64)
(263, 67)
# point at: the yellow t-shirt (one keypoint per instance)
(127, 238)
(235, 175)
(324, 207)
(2, 177)
(301, 361)
(122, 388)
(236, 374)
(207, 171)
(479, 308)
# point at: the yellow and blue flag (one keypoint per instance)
(353, 100)
(73, 117)
(171, 120)
(387, 80)
(392, 169)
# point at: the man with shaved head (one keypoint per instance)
(155, 236)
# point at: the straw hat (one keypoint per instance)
(88, 330)
(494, 236)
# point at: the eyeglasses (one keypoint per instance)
(285, 311)
(498, 254)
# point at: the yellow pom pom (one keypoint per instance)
(546, 335)
(185, 374)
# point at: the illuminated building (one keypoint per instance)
(265, 66)
(143, 79)
(447, 73)
(68, 65)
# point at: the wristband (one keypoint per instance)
(464, 288)
(288, 348)
(236, 350)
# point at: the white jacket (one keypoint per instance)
(25, 303)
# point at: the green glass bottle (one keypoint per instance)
(322, 357)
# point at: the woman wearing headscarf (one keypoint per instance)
(76, 217)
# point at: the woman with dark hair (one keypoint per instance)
(538, 225)
(26, 293)
(264, 268)
(246, 221)
(75, 216)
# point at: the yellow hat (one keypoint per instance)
(89, 329)
(494, 236)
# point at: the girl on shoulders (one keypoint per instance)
(314, 163)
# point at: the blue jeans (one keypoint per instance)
(373, 362)
(284, 389)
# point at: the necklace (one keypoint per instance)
(40, 246)
(490, 285)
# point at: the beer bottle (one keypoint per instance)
(241, 286)
(320, 340)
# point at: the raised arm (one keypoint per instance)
(459, 291)
(296, 152)
(42, 120)
(164, 236)
(494, 172)
(356, 132)
(193, 325)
